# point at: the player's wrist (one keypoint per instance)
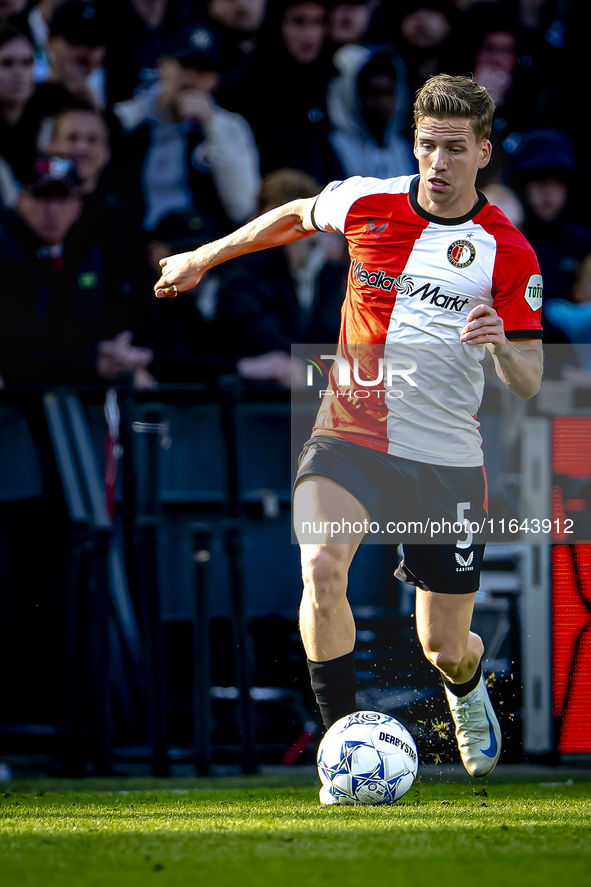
(500, 348)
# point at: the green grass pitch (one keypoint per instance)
(258, 832)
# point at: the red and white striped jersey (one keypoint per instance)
(414, 277)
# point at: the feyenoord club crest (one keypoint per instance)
(461, 253)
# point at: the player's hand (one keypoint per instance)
(179, 273)
(484, 327)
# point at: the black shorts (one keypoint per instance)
(414, 503)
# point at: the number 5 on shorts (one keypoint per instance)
(462, 508)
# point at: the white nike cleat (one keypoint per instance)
(477, 729)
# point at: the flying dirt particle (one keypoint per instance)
(440, 728)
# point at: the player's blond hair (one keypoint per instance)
(447, 96)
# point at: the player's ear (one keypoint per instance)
(485, 152)
(415, 147)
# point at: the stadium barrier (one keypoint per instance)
(201, 502)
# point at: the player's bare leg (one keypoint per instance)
(443, 626)
(326, 621)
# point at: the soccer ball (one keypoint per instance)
(367, 758)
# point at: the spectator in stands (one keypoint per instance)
(542, 171)
(524, 67)
(573, 318)
(236, 24)
(367, 106)
(516, 67)
(283, 94)
(134, 46)
(23, 106)
(422, 32)
(349, 22)
(288, 295)
(38, 20)
(69, 304)
(507, 201)
(82, 133)
(191, 154)
(77, 37)
(9, 9)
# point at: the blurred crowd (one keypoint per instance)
(133, 129)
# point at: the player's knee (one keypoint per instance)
(447, 657)
(325, 578)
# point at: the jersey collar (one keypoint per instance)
(438, 220)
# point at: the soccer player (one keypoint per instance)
(433, 264)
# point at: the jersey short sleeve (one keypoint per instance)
(332, 205)
(517, 282)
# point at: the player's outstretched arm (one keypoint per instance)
(518, 364)
(287, 223)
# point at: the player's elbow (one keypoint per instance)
(529, 391)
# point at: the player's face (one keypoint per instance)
(449, 158)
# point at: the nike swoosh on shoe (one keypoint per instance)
(491, 751)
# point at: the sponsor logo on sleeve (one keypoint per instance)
(533, 292)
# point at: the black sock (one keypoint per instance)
(334, 684)
(464, 689)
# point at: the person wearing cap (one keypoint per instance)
(76, 49)
(69, 306)
(143, 29)
(188, 153)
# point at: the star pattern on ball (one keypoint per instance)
(367, 758)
